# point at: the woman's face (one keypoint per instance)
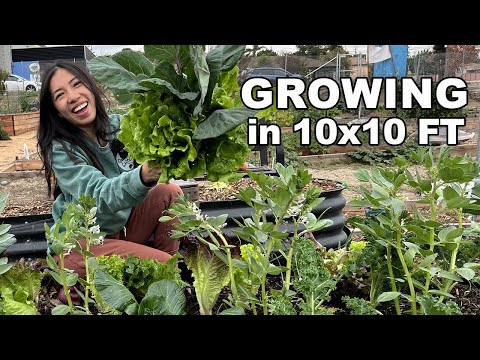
(72, 99)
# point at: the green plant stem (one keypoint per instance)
(230, 264)
(64, 282)
(269, 251)
(87, 276)
(289, 265)
(312, 304)
(453, 257)
(288, 273)
(431, 239)
(392, 278)
(413, 300)
(254, 304)
(264, 280)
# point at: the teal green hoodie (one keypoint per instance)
(116, 191)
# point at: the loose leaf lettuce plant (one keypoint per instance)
(6, 239)
(19, 285)
(185, 112)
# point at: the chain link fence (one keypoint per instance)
(463, 64)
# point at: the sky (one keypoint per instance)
(353, 49)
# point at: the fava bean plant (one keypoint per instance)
(421, 258)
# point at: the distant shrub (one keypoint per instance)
(3, 134)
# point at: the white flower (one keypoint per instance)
(94, 229)
(98, 241)
(68, 249)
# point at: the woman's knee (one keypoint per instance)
(167, 192)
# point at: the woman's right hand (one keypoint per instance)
(149, 174)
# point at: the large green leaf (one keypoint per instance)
(113, 292)
(177, 55)
(227, 55)
(4, 265)
(134, 62)
(163, 297)
(115, 77)
(3, 201)
(222, 58)
(155, 83)
(167, 72)
(222, 121)
(6, 239)
(202, 73)
(210, 274)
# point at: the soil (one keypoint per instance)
(467, 296)
(13, 149)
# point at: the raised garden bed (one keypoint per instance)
(16, 124)
(30, 232)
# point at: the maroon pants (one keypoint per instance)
(142, 223)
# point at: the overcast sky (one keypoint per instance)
(353, 49)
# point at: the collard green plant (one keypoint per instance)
(185, 113)
(163, 297)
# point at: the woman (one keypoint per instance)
(76, 141)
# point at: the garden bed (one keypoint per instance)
(21, 123)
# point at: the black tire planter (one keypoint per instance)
(31, 242)
(332, 206)
(335, 235)
(30, 234)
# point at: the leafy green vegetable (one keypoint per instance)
(210, 274)
(138, 274)
(185, 113)
(18, 289)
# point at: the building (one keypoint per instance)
(29, 61)
(5, 58)
(359, 65)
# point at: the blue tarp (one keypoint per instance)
(395, 66)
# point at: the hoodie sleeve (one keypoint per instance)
(77, 176)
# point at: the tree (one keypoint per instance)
(457, 56)
(3, 77)
(439, 48)
(322, 52)
(267, 52)
(254, 50)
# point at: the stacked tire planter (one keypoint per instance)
(30, 230)
(333, 236)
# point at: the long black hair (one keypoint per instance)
(53, 127)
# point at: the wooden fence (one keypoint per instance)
(16, 124)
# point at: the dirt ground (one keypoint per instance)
(11, 149)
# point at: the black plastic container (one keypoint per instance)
(30, 234)
(30, 230)
(333, 236)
